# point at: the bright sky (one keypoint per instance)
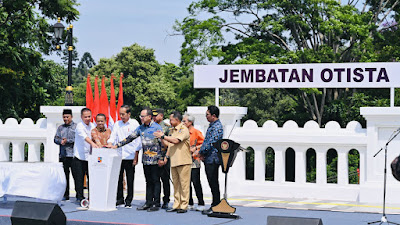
(104, 27)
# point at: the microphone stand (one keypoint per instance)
(384, 218)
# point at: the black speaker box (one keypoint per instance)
(37, 213)
(284, 220)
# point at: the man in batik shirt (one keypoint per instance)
(151, 154)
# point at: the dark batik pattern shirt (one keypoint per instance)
(214, 133)
(150, 144)
(66, 131)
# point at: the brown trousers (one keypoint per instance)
(181, 179)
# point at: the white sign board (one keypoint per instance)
(318, 75)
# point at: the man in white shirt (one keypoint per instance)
(130, 153)
(83, 143)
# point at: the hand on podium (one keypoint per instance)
(94, 145)
(109, 145)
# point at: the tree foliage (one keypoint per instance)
(299, 31)
(143, 83)
(84, 65)
(26, 81)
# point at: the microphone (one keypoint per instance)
(233, 127)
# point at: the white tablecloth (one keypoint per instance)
(37, 180)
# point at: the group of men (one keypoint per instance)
(176, 149)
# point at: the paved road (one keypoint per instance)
(251, 209)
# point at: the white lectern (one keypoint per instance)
(104, 166)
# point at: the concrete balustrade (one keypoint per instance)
(381, 123)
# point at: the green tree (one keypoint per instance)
(26, 81)
(181, 80)
(84, 65)
(299, 31)
(144, 84)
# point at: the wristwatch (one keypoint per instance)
(162, 137)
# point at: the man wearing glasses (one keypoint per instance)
(151, 154)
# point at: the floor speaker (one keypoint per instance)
(284, 220)
(37, 213)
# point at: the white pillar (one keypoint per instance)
(300, 164)
(343, 166)
(321, 166)
(279, 175)
(259, 163)
(381, 124)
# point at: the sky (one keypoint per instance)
(104, 27)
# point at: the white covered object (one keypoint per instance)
(37, 180)
(104, 166)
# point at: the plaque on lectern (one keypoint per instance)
(227, 151)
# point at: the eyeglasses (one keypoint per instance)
(142, 116)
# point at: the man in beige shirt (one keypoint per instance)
(181, 161)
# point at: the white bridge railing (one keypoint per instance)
(16, 136)
(289, 144)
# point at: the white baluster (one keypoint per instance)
(343, 167)
(300, 163)
(321, 166)
(4, 152)
(18, 151)
(34, 151)
(279, 164)
(259, 163)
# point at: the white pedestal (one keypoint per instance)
(104, 167)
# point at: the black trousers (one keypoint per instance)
(79, 169)
(153, 184)
(67, 164)
(165, 172)
(195, 179)
(127, 166)
(212, 177)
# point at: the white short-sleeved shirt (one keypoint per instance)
(81, 147)
(122, 130)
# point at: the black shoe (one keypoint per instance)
(182, 211)
(143, 207)
(207, 211)
(65, 199)
(128, 205)
(172, 210)
(153, 209)
(165, 205)
(120, 202)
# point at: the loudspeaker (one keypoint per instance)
(37, 213)
(284, 220)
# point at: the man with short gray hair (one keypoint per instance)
(196, 140)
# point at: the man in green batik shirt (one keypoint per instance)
(158, 117)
